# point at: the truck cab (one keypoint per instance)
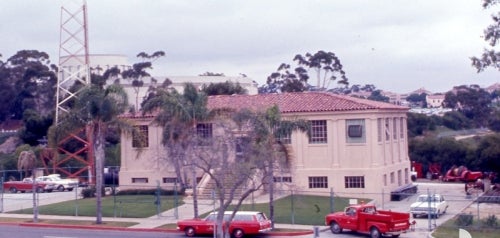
(368, 220)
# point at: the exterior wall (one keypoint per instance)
(337, 158)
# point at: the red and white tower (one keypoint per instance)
(73, 68)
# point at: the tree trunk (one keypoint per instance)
(99, 164)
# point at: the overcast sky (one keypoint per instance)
(398, 46)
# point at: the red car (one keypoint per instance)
(243, 223)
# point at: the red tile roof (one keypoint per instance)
(299, 102)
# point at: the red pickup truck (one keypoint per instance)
(27, 185)
(367, 219)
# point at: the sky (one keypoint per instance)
(398, 46)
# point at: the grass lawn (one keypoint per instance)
(68, 222)
(133, 206)
(300, 209)
(449, 229)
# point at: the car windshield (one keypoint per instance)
(427, 198)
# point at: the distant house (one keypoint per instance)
(435, 100)
(357, 147)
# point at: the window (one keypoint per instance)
(318, 132)
(394, 128)
(400, 179)
(355, 131)
(387, 130)
(406, 176)
(140, 137)
(139, 180)
(402, 128)
(285, 138)
(385, 179)
(392, 177)
(318, 182)
(354, 181)
(282, 179)
(170, 180)
(379, 129)
(204, 130)
(242, 146)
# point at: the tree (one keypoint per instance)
(138, 72)
(490, 57)
(488, 153)
(472, 101)
(377, 96)
(418, 99)
(326, 66)
(27, 81)
(226, 88)
(178, 114)
(211, 74)
(96, 109)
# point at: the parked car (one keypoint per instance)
(60, 183)
(26, 185)
(364, 218)
(434, 205)
(244, 223)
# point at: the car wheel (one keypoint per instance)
(414, 215)
(13, 190)
(60, 188)
(238, 233)
(335, 228)
(189, 231)
(39, 190)
(374, 233)
(70, 189)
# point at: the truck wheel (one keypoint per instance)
(238, 233)
(335, 228)
(13, 190)
(60, 188)
(189, 231)
(374, 233)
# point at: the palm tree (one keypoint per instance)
(179, 115)
(269, 129)
(96, 109)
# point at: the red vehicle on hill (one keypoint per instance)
(27, 185)
(461, 173)
(367, 219)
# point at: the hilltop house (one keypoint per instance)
(357, 147)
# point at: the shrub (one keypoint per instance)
(491, 221)
(464, 220)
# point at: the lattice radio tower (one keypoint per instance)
(73, 68)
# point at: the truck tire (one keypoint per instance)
(335, 228)
(13, 189)
(375, 233)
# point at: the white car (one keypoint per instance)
(60, 184)
(434, 205)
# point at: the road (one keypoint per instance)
(16, 201)
(38, 232)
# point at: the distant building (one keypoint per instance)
(434, 101)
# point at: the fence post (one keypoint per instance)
(332, 202)
(293, 208)
(76, 200)
(429, 211)
(1, 194)
(158, 199)
(176, 212)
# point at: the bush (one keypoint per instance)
(464, 220)
(491, 221)
(148, 192)
(89, 192)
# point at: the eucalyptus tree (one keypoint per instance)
(97, 110)
(326, 67)
(490, 57)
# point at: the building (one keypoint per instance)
(435, 100)
(357, 147)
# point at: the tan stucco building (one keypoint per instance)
(357, 148)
